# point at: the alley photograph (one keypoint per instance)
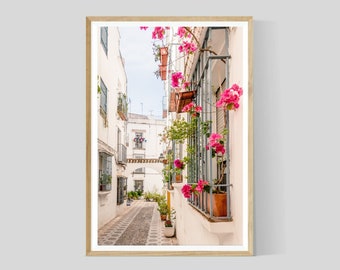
(169, 136)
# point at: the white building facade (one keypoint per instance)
(217, 66)
(145, 147)
(112, 119)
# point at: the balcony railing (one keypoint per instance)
(122, 158)
(122, 107)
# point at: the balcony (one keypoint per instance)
(122, 154)
(122, 107)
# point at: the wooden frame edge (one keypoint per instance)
(250, 251)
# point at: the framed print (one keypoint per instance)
(169, 136)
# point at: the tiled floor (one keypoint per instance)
(140, 224)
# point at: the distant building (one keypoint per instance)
(144, 144)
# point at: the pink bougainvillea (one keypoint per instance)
(193, 109)
(186, 85)
(216, 143)
(187, 47)
(187, 190)
(175, 79)
(230, 98)
(201, 185)
(179, 164)
(196, 188)
(158, 32)
(182, 32)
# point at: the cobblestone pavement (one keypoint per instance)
(140, 224)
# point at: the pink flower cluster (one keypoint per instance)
(175, 79)
(187, 47)
(182, 32)
(179, 164)
(188, 190)
(216, 143)
(192, 108)
(230, 98)
(158, 32)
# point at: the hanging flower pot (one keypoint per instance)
(164, 55)
(172, 102)
(183, 99)
(162, 72)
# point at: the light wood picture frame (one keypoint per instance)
(230, 50)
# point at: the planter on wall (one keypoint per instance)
(179, 178)
(219, 204)
(183, 99)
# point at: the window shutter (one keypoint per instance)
(109, 165)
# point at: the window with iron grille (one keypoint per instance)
(105, 163)
(105, 169)
(139, 140)
(104, 38)
(210, 77)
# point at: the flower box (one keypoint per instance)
(183, 99)
(219, 204)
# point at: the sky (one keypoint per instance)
(145, 91)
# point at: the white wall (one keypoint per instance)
(111, 70)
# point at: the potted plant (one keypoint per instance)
(105, 181)
(178, 131)
(203, 191)
(169, 225)
(163, 51)
(163, 209)
(179, 166)
(184, 98)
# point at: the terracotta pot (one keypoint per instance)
(172, 102)
(183, 99)
(164, 56)
(219, 204)
(179, 178)
(162, 71)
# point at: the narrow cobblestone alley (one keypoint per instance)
(140, 224)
